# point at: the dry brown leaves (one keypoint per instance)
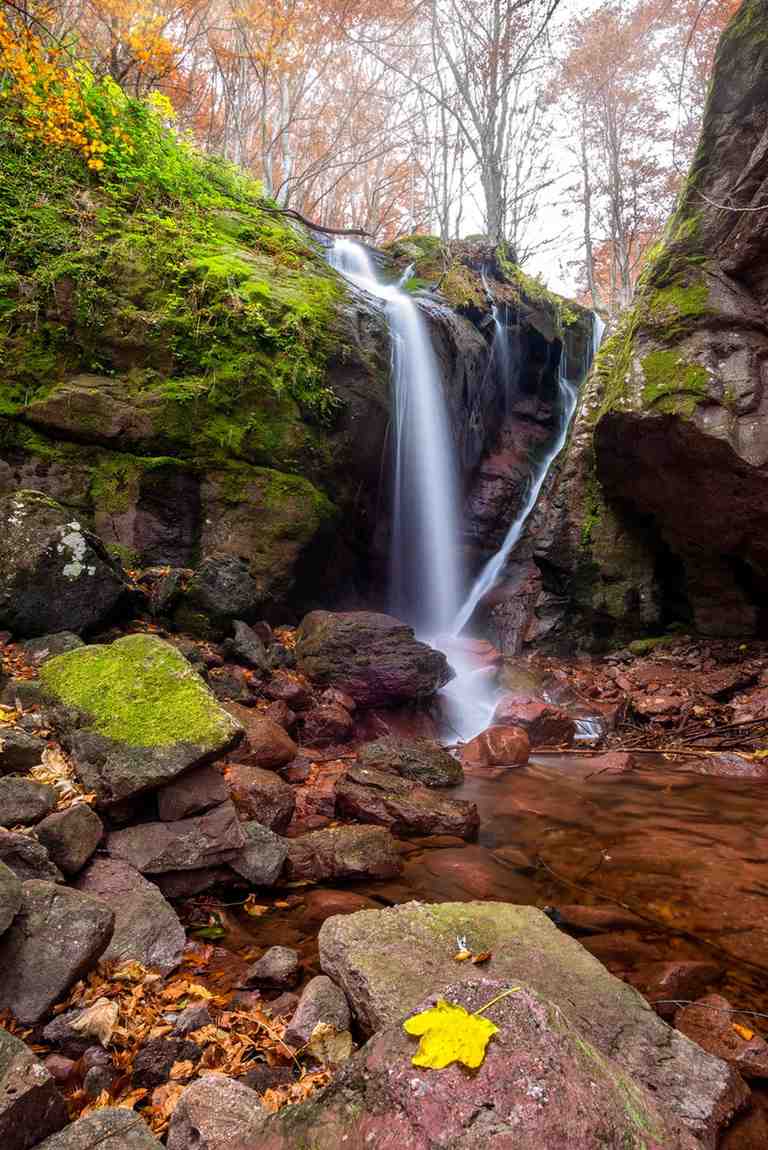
(58, 772)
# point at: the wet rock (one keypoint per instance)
(422, 760)
(105, 1129)
(496, 747)
(620, 949)
(215, 1113)
(277, 969)
(613, 763)
(147, 929)
(246, 646)
(260, 795)
(342, 853)
(53, 573)
(711, 1023)
(221, 590)
(597, 919)
(318, 905)
(666, 984)
(284, 688)
(186, 883)
(544, 723)
(152, 1065)
(266, 745)
(23, 801)
(231, 684)
(262, 860)
(280, 713)
(321, 1001)
(195, 792)
(19, 751)
(31, 1107)
(726, 766)
(56, 937)
(385, 960)
(134, 714)
(46, 646)
(188, 844)
(374, 658)
(404, 806)
(27, 858)
(71, 836)
(326, 725)
(10, 897)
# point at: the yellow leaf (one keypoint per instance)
(449, 1034)
(462, 955)
(251, 907)
(183, 1069)
(743, 1031)
(329, 1045)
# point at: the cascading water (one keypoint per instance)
(425, 553)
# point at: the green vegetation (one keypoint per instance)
(672, 385)
(646, 646)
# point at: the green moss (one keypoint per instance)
(462, 287)
(646, 646)
(593, 508)
(672, 310)
(139, 691)
(673, 385)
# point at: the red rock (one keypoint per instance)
(497, 747)
(666, 984)
(612, 763)
(279, 712)
(59, 1067)
(322, 904)
(620, 950)
(726, 766)
(544, 723)
(749, 1131)
(710, 1022)
(286, 688)
(196, 791)
(260, 795)
(326, 725)
(266, 744)
(331, 696)
(342, 853)
(406, 807)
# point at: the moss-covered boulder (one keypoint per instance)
(134, 714)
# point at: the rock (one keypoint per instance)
(105, 1129)
(596, 919)
(277, 969)
(710, 1023)
(53, 573)
(71, 836)
(422, 760)
(23, 694)
(384, 961)
(62, 1034)
(19, 751)
(188, 844)
(544, 723)
(147, 929)
(262, 860)
(323, 726)
(23, 801)
(196, 791)
(342, 853)
(403, 806)
(31, 1107)
(246, 646)
(59, 1067)
(134, 714)
(334, 698)
(321, 1001)
(260, 795)
(46, 646)
(285, 688)
(266, 745)
(496, 747)
(215, 1113)
(284, 1005)
(373, 658)
(10, 897)
(726, 766)
(280, 713)
(56, 937)
(264, 1077)
(192, 1018)
(27, 858)
(186, 883)
(318, 905)
(231, 684)
(97, 1079)
(152, 1065)
(666, 984)
(221, 590)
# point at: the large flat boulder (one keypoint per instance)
(374, 658)
(405, 807)
(387, 961)
(342, 853)
(106, 1129)
(422, 760)
(134, 714)
(189, 844)
(31, 1107)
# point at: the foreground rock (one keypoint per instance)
(106, 1129)
(404, 806)
(23, 801)
(387, 961)
(27, 858)
(422, 760)
(277, 969)
(321, 1001)
(53, 573)
(134, 714)
(188, 844)
(497, 747)
(374, 658)
(216, 1113)
(342, 853)
(31, 1107)
(55, 938)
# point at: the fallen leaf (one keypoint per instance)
(329, 1045)
(462, 955)
(254, 909)
(98, 1021)
(184, 1069)
(743, 1031)
(449, 1034)
(483, 956)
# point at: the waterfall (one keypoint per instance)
(425, 581)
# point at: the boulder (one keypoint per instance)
(544, 723)
(325, 725)
(19, 751)
(387, 960)
(46, 646)
(105, 1129)
(422, 760)
(71, 836)
(27, 858)
(260, 795)
(53, 572)
(246, 646)
(31, 1107)
(712, 1023)
(24, 801)
(186, 883)
(342, 853)
(266, 744)
(10, 897)
(134, 714)
(321, 1001)
(496, 747)
(221, 590)
(373, 658)
(189, 844)
(215, 1113)
(56, 937)
(157, 1057)
(147, 928)
(277, 969)
(262, 860)
(404, 806)
(285, 688)
(195, 792)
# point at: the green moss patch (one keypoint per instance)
(672, 384)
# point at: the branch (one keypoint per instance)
(294, 215)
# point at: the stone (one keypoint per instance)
(152, 1065)
(27, 858)
(186, 883)
(596, 919)
(342, 853)
(31, 1107)
(263, 1077)
(53, 572)
(71, 836)
(422, 760)
(321, 1001)
(726, 766)
(192, 1018)
(266, 745)
(46, 646)
(105, 1129)
(196, 791)
(333, 697)
(277, 969)
(221, 590)
(147, 929)
(10, 897)
(387, 960)
(666, 984)
(262, 860)
(403, 806)
(24, 801)
(189, 844)
(62, 1034)
(56, 937)
(280, 713)
(59, 1067)
(323, 726)
(284, 1005)
(285, 688)
(246, 646)
(134, 715)
(231, 683)
(97, 1079)
(544, 723)
(215, 1113)
(260, 795)
(373, 658)
(318, 905)
(496, 747)
(710, 1023)
(19, 751)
